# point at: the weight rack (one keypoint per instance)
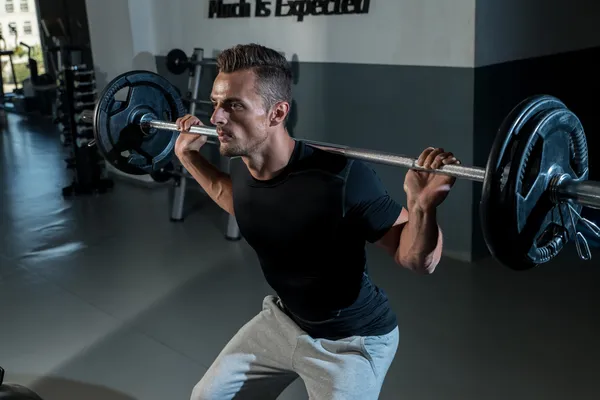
(76, 93)
(232, 231)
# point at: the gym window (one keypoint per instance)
(25, 5)
(12, 28)
(10, 7)
(27, 27)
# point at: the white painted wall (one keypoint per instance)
(123, 38)
(509, 30)
(111, 38)
(397, 32)
(455, 33)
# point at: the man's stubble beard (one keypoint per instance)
(235, 150)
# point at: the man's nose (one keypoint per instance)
(218, 116)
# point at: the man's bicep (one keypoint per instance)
(368, 204)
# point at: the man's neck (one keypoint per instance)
(272, 157)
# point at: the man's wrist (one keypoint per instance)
(185, 155)
(414, 206)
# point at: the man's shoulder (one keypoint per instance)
(312, 158)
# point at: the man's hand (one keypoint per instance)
(426, 190)
(187, 142)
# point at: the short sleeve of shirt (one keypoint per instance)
(367, 204)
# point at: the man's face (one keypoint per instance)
(239, 113)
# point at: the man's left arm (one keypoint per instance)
(415, 241)
(410, 235)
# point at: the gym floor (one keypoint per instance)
(103, 297)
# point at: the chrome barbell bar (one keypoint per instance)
(585, 193)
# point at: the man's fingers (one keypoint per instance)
(191, 122)
(451, 160)
(423, 157)
(431, 157)
(188, 123)
(184, 123)
(434, 158)
(438, 161)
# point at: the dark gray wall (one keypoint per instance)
(399, 109)
(509, 30)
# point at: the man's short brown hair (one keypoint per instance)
(272, 70)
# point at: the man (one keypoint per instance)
(307, 213)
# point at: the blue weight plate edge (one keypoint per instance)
(491, 217)
(101, 106)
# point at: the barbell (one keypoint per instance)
(177, 61)
(534, 184)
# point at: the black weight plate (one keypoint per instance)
(557, 146)
(177, 61)
(539, 140)
(164, 174)
(116, 122)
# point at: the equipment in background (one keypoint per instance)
(178, 62)
(77, 93)
(534, 185)
(12, 391)
(38, 91)
(201, 108)
(8, 98)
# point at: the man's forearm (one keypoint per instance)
(215, 182)
(420, 241)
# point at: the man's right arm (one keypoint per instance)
(215, 182)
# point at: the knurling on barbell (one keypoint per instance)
(534, 184)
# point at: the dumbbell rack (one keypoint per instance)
(232, 231)
(76, 93)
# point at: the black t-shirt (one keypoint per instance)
(309, 226)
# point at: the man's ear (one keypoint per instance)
(279, 112)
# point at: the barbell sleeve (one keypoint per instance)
(585, 193)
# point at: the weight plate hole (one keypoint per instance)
(122, 94)
(574, 161)
(548, 234)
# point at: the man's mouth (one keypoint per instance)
(224, 136)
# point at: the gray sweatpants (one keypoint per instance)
(268, 353)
